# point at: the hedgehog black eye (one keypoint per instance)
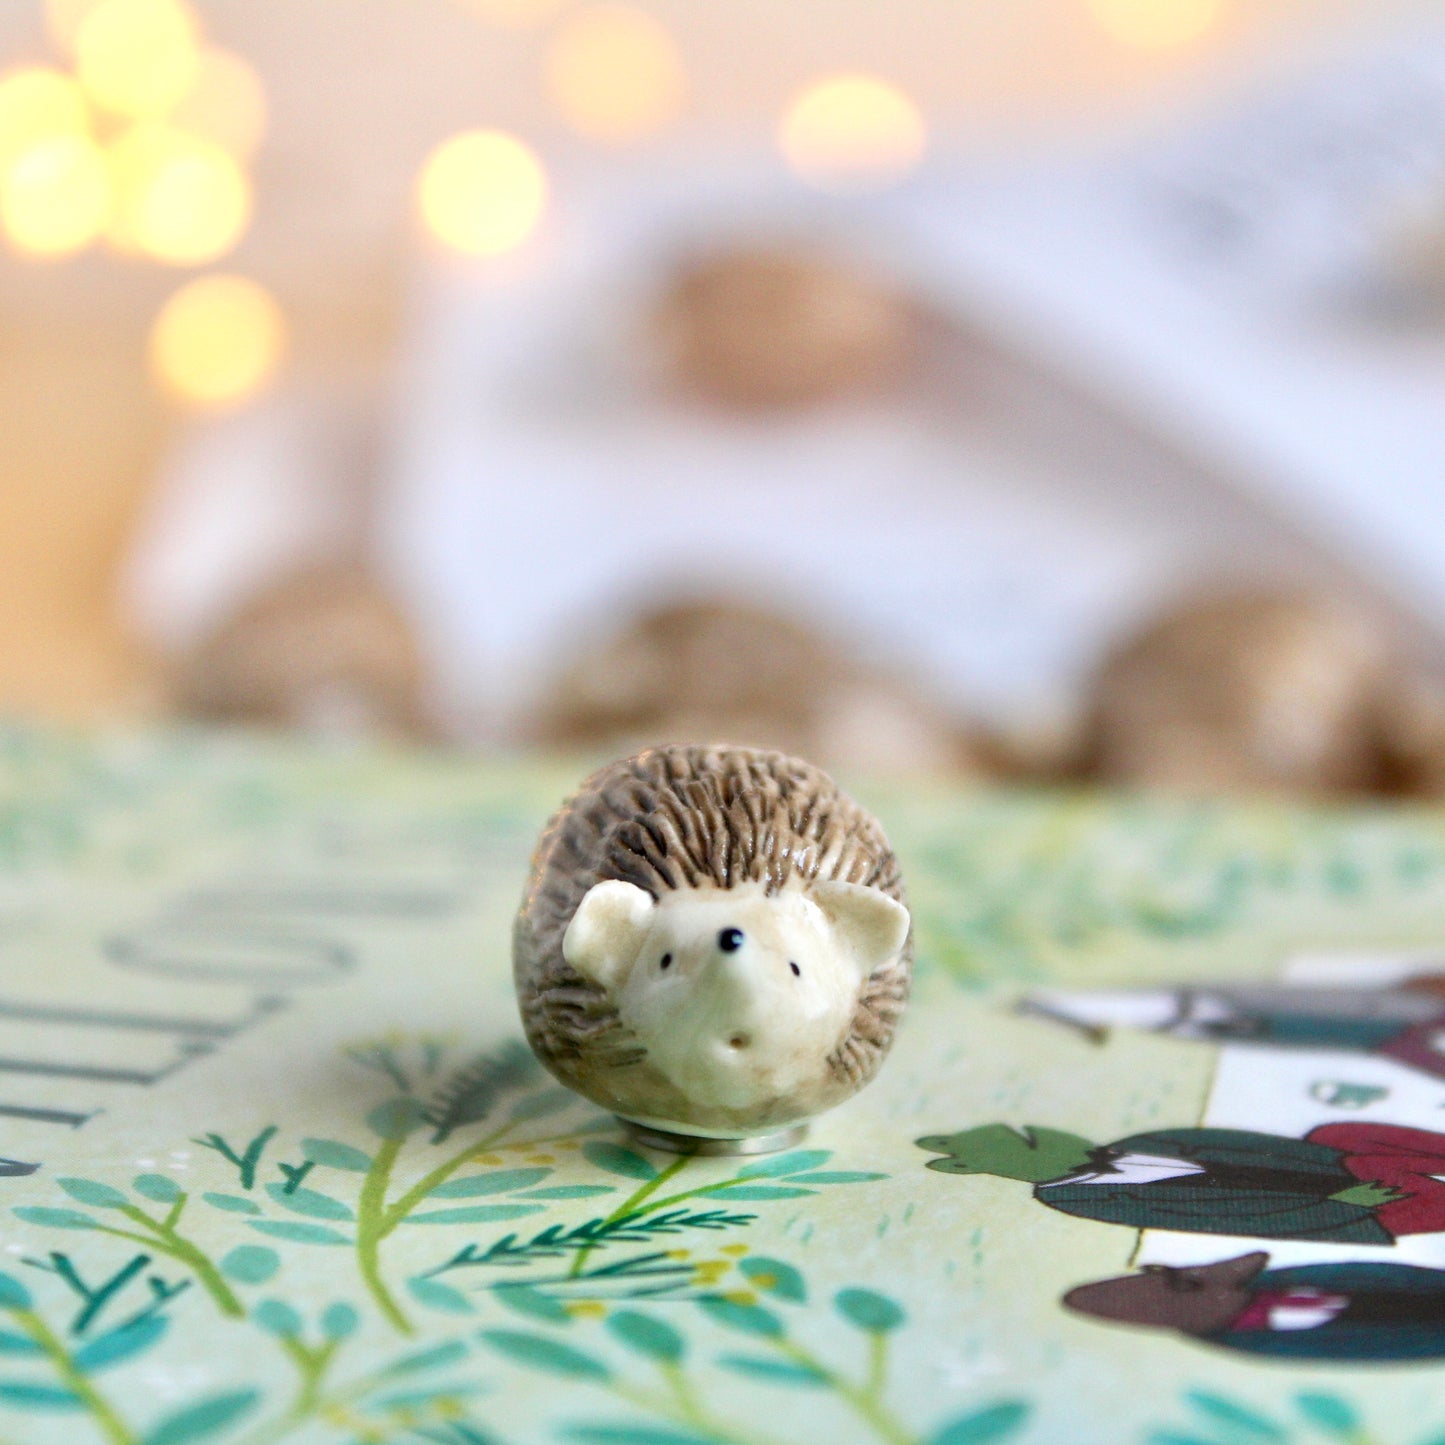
(797, 972)
(730, 940)
(666, 961)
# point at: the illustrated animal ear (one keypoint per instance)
(606, 931)
(871, 924)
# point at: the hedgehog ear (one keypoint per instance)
(872, 925)
(606, 931)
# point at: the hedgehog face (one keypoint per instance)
(738, 997)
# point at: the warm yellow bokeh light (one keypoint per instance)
(38, 104)
(1157, 24)
(55, 198)
(482, 192)
(852, 133)
(512, 14)
(179, 198)
(217, 340)
(137, 58)
(227, 104)
(63, 18)
(615, 74)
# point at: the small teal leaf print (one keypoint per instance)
(235, 1203)
(983, 1427)
(18, 1345)
(778, 1372)
(120, 1344)
(94, 1193)
(310, 1202)
(293, 1229)
(762, 1191)
(13, 1294)
(250, 1264)
(750, 1319)
(533, 1302)
(431, 1358)
(339, 1322)
(1233, 1414)
(571, 1191)
(542, 1353)
(276, 1317)
(157, 1187)
(500, 1181)
(196, 1422)
(775, 1277)
(55, 1218)
(476, 1214)
(617, 1160)
(653, 1337)
(635, 1435)
(39, 1397)
(397, 1118)
(792, 1163)
(870, 1311)
(438, 1296)
(1330, 1414)
(835, 1176)
(336, 1155)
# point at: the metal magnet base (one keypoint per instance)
(699, 1144)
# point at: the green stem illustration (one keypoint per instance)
(101, 1411)
(865, 1399)
(311, 1366)
(162, 1236)
(688, 1412)
(633, 1205)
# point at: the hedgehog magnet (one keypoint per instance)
(714, 945)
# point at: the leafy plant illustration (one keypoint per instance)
(71, 1368)
(772, 1355)
(1218, 1419)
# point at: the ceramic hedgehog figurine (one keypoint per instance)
(713, 944)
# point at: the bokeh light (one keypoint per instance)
(615, 74)
(137, 58)
(1157, 24)
(55, 198)
(482, 192)
(512, 14)
(38, 104)
(217, 340)
(226, 105)
(852, 132)
(179, 198)
(63, 18)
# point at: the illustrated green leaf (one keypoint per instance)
(339, 1321)
(750, 1319)
(13, 1294)
(778, 1372)
(792, 1163)
(439, 1296)
(869, 1310)
(617, 1160)
(336, 1155)
(250, 1264)
(499, 1181)
(18, 1345)
(120, 1344)
(837, 1176)
(157, 1187)
(475, 1214)
(235, 1203)
(1236, 1416)
(1330, 1414)
(299, 1233)
(397, 1118)
(94, 1193)
(310, 1202)
(763, 1191)
(652, 1337)
(539, 1105)
(542, 1353)
(775, 1276)
(431, 1358)
(209, 1417)
(527, 1300)
(55, 1218)
(602, 1434)
(276, 1317)
(996, 1422)
(38, 1397)
(571, 1191)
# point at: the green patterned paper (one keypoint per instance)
(276, 1167)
